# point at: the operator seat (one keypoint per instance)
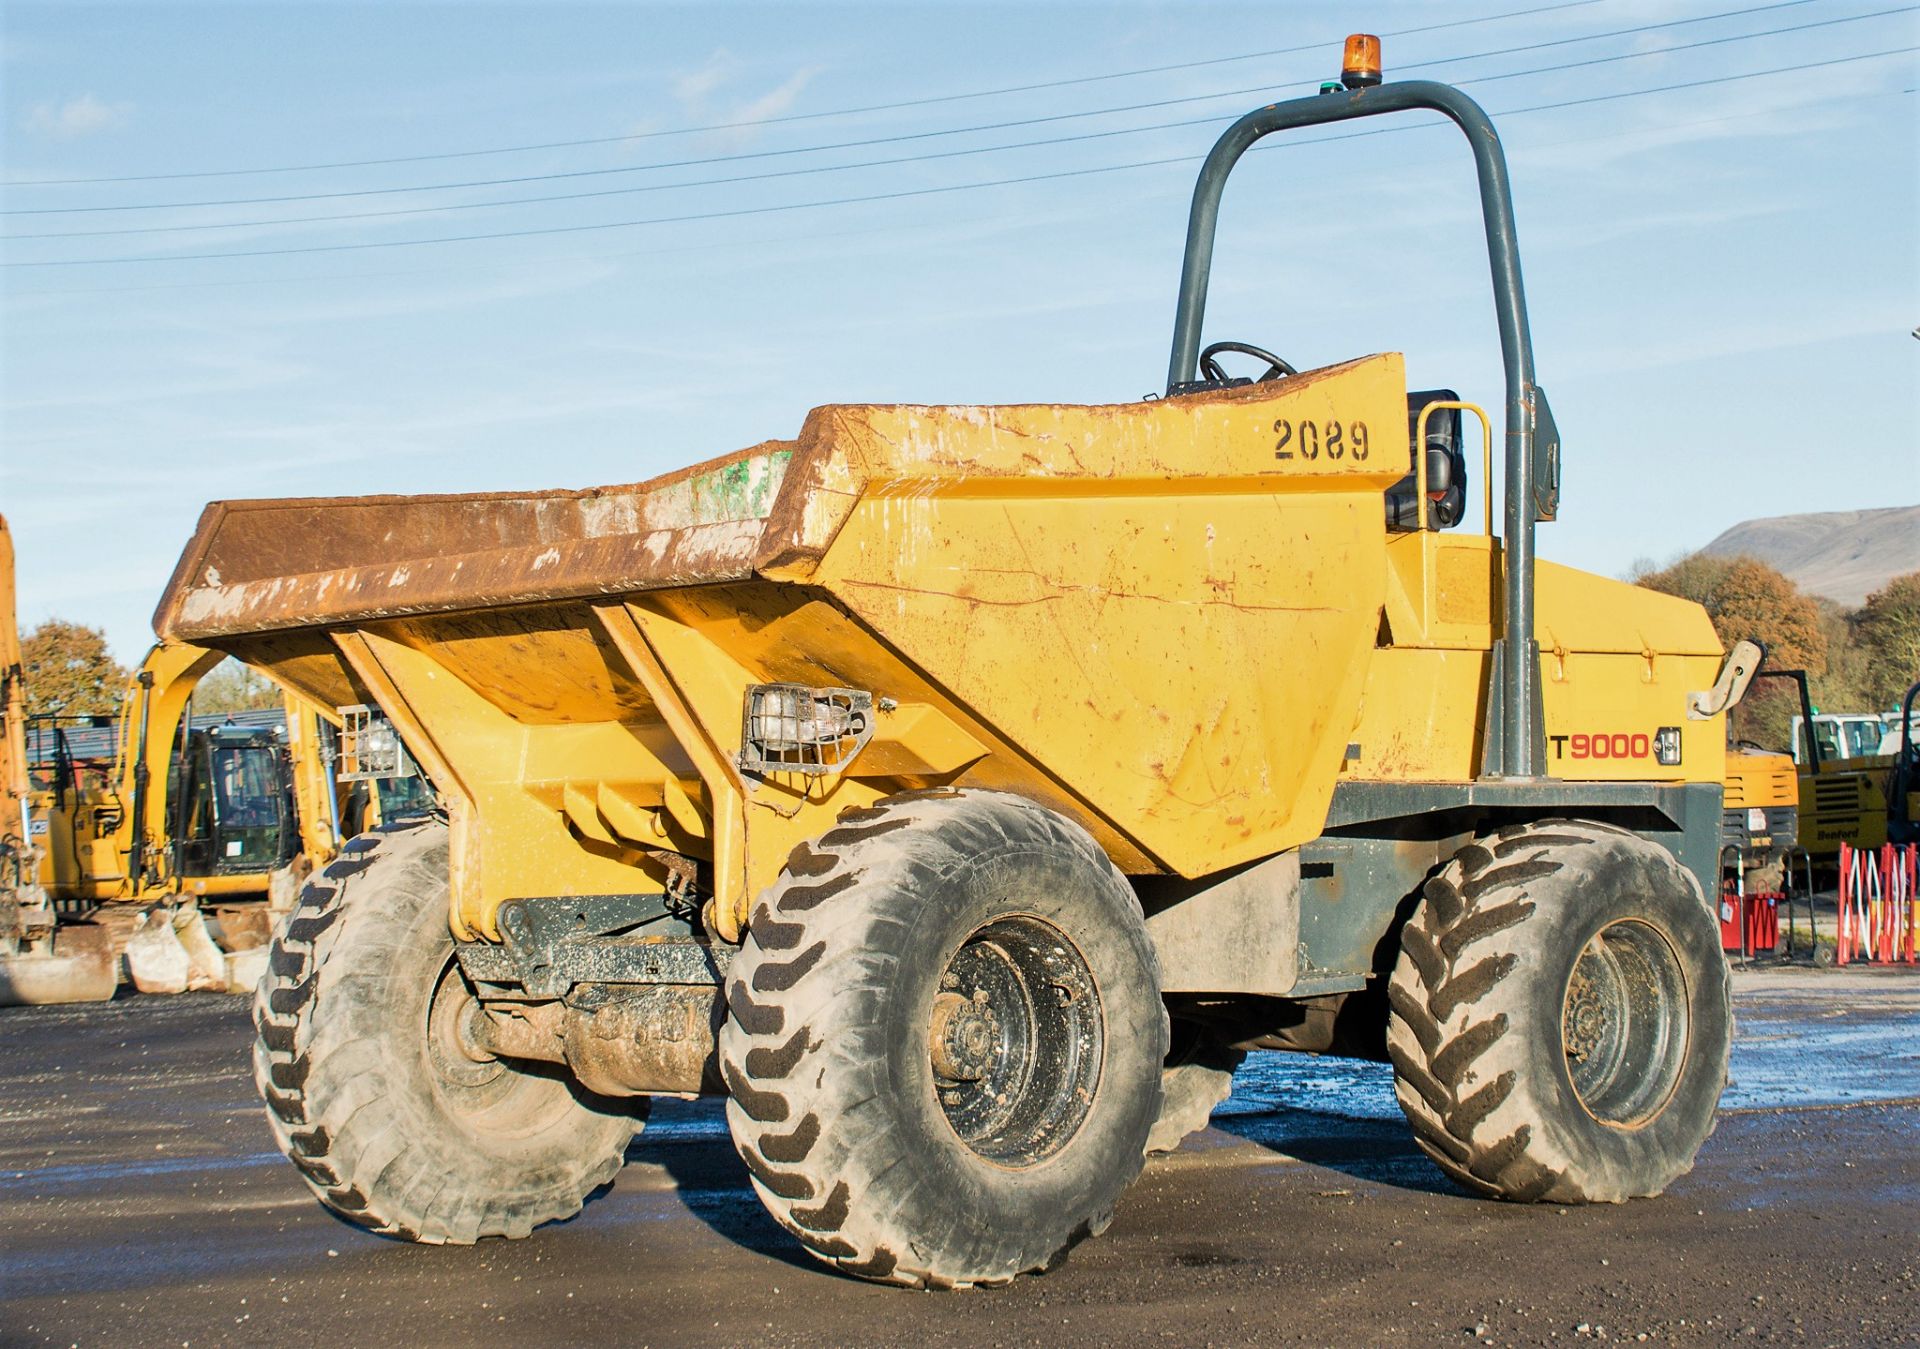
(1446, 468)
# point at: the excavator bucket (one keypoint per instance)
(80, 967)
(171, 951)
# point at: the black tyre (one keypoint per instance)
(370, 1093)
(945, 1040)
(1560, 1017)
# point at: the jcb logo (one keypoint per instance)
(1603, 745)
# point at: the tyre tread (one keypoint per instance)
(319, 1079)
(1454, 1011)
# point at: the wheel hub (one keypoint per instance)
(454, 1047)
(1015, 1040)
(1586, 1019)
(1624, 1025)
(965, 1035)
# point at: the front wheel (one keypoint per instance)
(373, 1086)
(945, 1039)
(1560, 1016)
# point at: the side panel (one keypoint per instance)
(1239, 934)
(1183, 654)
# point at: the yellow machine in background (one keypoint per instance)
(1761, 818)
(959, 789)
(205, 827)
(129, 849)
(1841, 799)
(39, 960)
(179, 824)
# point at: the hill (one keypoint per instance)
(1843, 555)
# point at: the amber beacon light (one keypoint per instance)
(1360, 65)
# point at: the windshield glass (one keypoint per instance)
(1862, 737)
(400, 797)
(246, 787)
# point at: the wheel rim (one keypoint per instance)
(1016, 1040)
(461, 1069)
(493, 1101)
(1625, 1023)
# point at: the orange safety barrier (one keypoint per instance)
(1879, 905)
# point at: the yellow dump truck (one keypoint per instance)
(1760, 817)
(959, 789)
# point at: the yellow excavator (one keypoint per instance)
(180, 849)
(1845, 796)
(154, 838)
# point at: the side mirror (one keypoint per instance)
(1546, 457)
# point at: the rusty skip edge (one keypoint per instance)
(278, 565)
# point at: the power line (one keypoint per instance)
(775, 174)
(628, 191)
(920, 192)
(1012, 124)
(841, 167)
(469, 271)
(863, 231)
(929, 101)
(790, 239)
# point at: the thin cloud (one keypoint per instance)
(777, 100)
(82, 116)
(693, 87)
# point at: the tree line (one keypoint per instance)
(1857, 660)
(69, 672)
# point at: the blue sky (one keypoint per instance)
(1723, 278)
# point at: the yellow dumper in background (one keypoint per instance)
(960, 790)
(1761, 814)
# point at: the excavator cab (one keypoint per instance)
(233, 810)
(1903, 783)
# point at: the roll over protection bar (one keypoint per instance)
(1517, 693)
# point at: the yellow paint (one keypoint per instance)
(1757, 779)
(1844, 802)
(20, 851)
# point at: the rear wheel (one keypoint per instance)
(945, 1040)
(1560, 1017)
(373, 1087)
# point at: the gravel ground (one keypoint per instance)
(142, 1203)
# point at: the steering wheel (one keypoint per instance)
(1276, 368)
